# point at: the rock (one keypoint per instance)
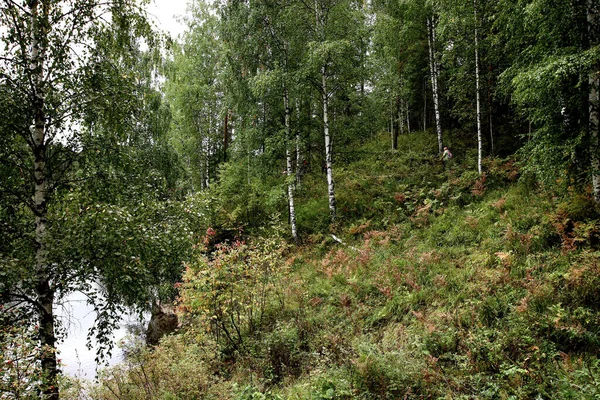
(162, 322)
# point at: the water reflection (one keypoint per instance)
(78, 317)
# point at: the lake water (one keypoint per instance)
(78, 317)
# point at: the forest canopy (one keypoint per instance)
(126, 154)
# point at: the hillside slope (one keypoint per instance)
(447, 285)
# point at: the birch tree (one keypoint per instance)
(434, 73)
(478, 104)
(400, 53)
(196, 89)
(62, 62)
(553, 82)
(466, 44)
(329, 66)
(593, 18)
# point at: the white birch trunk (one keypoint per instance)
(492, 150)
(594, 123)
(407, 118)
(328, 158)
(299, 165)
(207, 152)
(200, 124)
(401, 119)
(479, 136)
(593, 98)
(425, 105)
(434, 72)
(44, 290)
(392, 132)
(288, 156)
(201, 166)
(490, 116)
(320, 16)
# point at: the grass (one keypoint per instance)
(451, 286)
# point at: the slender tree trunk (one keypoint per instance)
(400, 118)
(490, 113)
(299, 164)
(44, 290)
(200, 126)
(288, 156)
(225, 136)
(425, 105)
(593, 98)
(434, 72)
(328, 147)
(208, 150)
(201, 161)
(407, 117)
(395, 127)
(321, 17)
(392, 121)
(479, 136)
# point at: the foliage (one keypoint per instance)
(464, 289)
(439, 281)
(175, 370)
(20, 370)
(85, 140)
(229, 294)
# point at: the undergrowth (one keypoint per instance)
(449, 285)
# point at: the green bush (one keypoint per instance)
(388, 375)
(313, 215)
(176, 369)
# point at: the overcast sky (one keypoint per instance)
(165, 12)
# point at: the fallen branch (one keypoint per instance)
(337, 239)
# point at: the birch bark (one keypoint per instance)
(397, 125)
(407, 113)
(434, 72)
(593, 99)
(328, 158)
(489, 105)
(39, 12)
(299, 165)
(288, 156)
(479, 136)
(320, 17)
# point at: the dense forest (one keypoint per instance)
(336, 199)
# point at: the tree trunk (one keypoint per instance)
(288, 156)
(395, 127)
(299, 163)
(38, 143)
(424, 105)
(200, 124)
(593, 99)
(490, 113)
(392, 121)
(225, 136)
(434, 72)
(328, 148)
(208, 150)
(479, 136)
(407, 117)
(400, 118)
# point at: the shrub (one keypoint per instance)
(228, 295)
(313, 215)
(387, 375)
(174, 370)
(20, 371)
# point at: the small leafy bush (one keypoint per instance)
(229, 293)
